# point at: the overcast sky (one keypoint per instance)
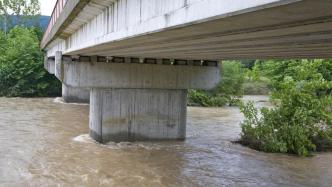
(47, 6)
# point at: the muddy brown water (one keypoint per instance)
(44, 143)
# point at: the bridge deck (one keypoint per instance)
(198, 29)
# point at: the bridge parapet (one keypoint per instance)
(54, 17)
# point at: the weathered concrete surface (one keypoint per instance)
(59, 68)
(134, 99)
(49, 65)
(129, 75)
(137, 114)
(71, 10)
(75, 95)
(200, 29)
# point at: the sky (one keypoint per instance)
(46, 7)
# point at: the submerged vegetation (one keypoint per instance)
(301, 121)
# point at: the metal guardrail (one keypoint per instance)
(55, 15)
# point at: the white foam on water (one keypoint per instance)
(85, 138)
(61, 101)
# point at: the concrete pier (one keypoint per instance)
(133, 99)
(75, 95)
(137, 114)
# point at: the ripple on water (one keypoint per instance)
(35, 151)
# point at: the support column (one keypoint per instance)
(137, 114)
(134, 99)
(75, 95)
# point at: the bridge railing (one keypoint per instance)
(55, 15)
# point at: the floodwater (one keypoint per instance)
(44, 143)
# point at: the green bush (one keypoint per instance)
(21, 66)
(302, 120)
(228, 91)
(259, 87)
(201, 98)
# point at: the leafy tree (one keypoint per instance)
(21, 66)
(19, 8)
(301, 122)
(232, 78)
(249, 64)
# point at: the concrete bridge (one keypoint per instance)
(137, 58)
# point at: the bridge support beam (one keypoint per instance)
(70, 94)
(135, 99)
(75, 95)
(137, 114)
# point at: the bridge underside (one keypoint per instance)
(139, 57)
(296, 30)
(133, 99)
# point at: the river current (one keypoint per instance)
(45, 143)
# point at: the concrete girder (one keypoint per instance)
(149, 75)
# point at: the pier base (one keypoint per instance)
(75, 95)
(137, 114)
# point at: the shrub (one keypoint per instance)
(228, 91)
(302, 120)
(201, 98)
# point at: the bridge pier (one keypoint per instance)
(137, 114)
(75, 95)
(69, 94)
(135, 99)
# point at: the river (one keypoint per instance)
(44, 143)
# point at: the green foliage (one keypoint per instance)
(22, 9)
(21, 66)
(228, 91)
(232, 78)
(256, 87)
(19, 7)
(302, 120)
(249, 64)
(201, 98)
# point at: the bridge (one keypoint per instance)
(135, 59)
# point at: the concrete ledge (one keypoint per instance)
(127, 75)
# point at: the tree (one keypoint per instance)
(22, 71)
(18, 8)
